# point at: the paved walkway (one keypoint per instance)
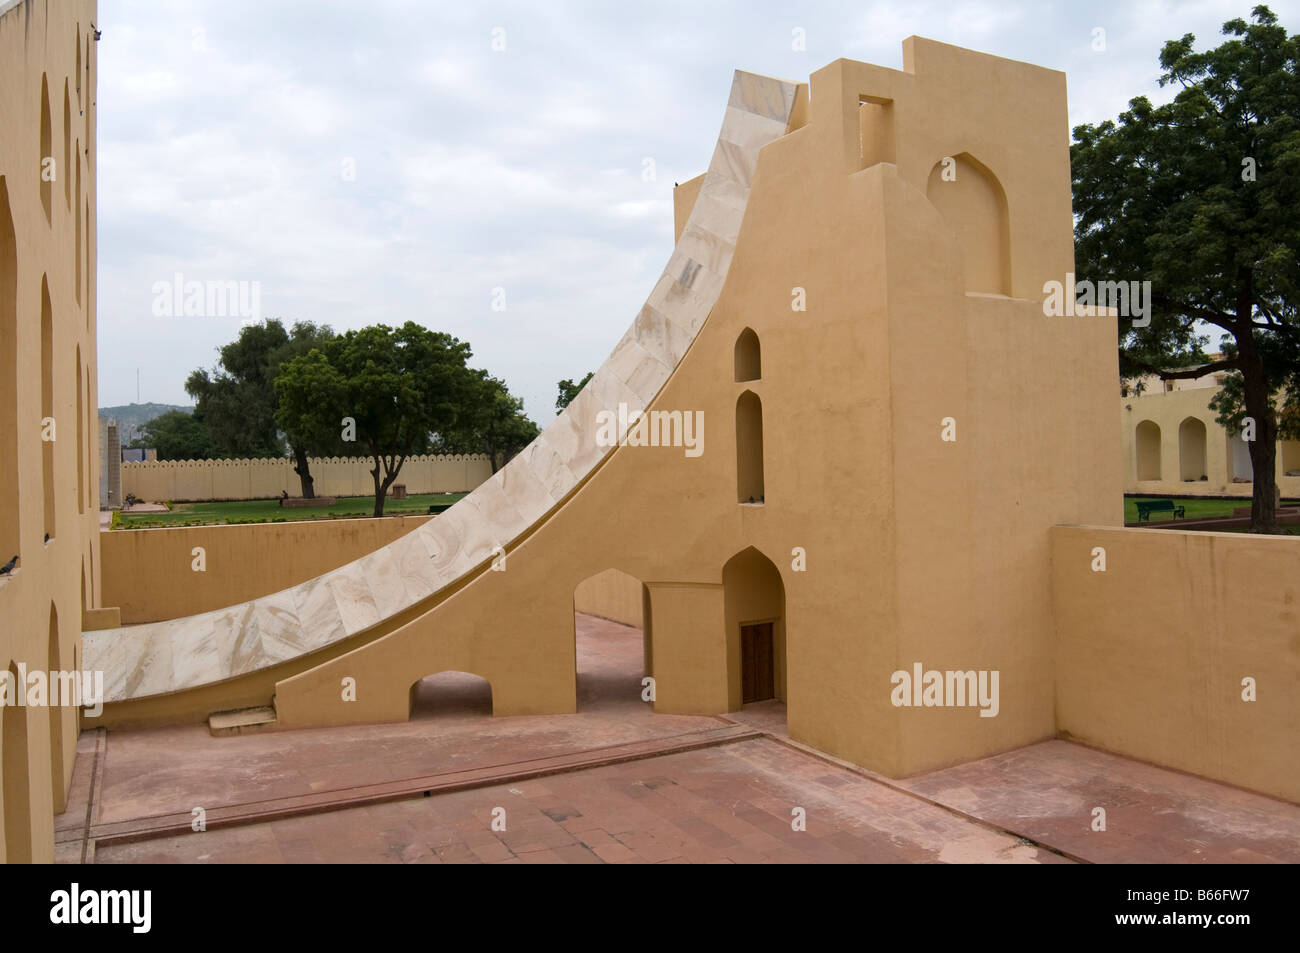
(684, 789)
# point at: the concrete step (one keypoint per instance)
(240, 722)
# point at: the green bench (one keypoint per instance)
(1147, 507)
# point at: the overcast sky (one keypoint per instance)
(371, 161)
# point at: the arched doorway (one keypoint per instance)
(754, 598)
(611, 642)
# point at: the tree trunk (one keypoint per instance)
(382, 485)
(303, 470)
(381, 488)
(1263, 449)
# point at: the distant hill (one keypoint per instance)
(131, 416)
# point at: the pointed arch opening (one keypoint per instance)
(9, 497)
(87, 445)
(754, 598)
(77, 214)
(748, 358)
(45, 167)
(81, 437)
(67, 149)
(89, 265)
(57, 711)
(969, 196)
(749, 449)
(48, 436)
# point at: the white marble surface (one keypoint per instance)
(181, 654)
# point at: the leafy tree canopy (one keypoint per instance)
(1199, 197)
(387, 389)
(176, 435)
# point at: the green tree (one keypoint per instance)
(389, 389)
(492, 421)
(1199, 196)
(237, 400)
(568, 391)
(176, 435)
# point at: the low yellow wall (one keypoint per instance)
(1152, 652)
(149, 573)
(612, 594)
(159, 480)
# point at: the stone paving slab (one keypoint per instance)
(729, 804)
(1048, 791)
(278, 808)
(724, 804)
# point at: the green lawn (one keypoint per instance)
(1196, 508)
(269, 511)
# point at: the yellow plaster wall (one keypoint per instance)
(62, 574)
(159, 480)
(149, 573)
(917, 549)
(1152, 652)
(611, 595)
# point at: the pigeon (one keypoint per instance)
(47, 537)
(8, 567)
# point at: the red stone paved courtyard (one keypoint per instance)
(617, 783)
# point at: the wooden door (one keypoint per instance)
(757, 671)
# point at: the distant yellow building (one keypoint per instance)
(48, 430)
(1174, 445)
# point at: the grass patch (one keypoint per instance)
(270, 511)
(1197, 508)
